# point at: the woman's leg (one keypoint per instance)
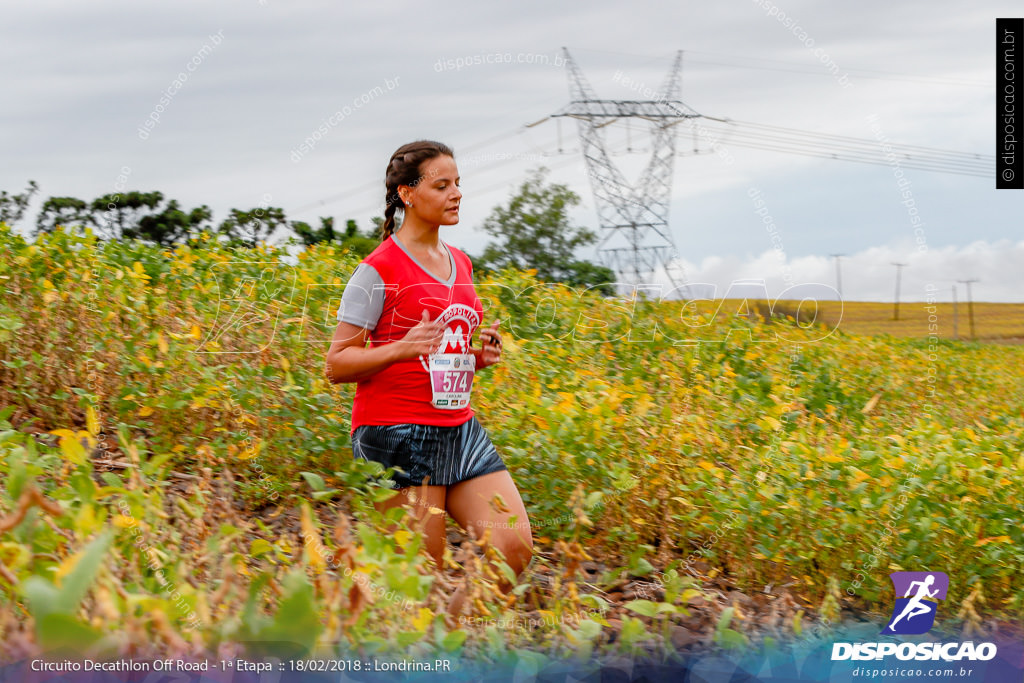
(470, 504)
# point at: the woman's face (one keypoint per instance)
(435, 199)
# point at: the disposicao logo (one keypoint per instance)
(917, 599)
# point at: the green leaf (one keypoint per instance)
(42, 597)
(315, 481)
(76, 583)
(113, 481)
(64, 632)
(383, 494)
(724, 619)
(731, 639)
(454, 640)
(642, 567)
(17, 474)
(260, 546)
(596, 601)
(632, 631)
(590, 629)
(296, 626)
(644, 607)
(407, 638)
(507, 571)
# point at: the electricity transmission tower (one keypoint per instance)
(635, 240)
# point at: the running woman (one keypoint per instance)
(413, 300)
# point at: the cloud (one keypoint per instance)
(869, 275)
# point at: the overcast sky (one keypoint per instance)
(80, 81)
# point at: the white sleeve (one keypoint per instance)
(363, 298)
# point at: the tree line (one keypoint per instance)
(532, 231)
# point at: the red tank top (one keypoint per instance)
(401, 393)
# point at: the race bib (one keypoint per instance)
(451, 379)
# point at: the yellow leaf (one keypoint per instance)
(402, 537)
(195, 333)
(423, 619)
(567, 403)
(161, 343)
(145, 411)
(68, 564)
(91, 421)
(641, 407)
(123, 522)
(285, 365)
(859, 475)
(993, 539)
(316, 553)
(72, 449)
(252, 451)
(870, 405)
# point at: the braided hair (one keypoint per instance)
(404, 169)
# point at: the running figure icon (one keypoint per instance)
(915, 607)
(917, 598)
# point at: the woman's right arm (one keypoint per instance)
(350, 360)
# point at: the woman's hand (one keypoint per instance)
(423, 339)
(490, 340)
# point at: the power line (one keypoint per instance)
(809, 69)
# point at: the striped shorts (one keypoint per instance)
(448, 455)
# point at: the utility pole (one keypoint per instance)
(896, 304)
(956, 334)
(970, 303)
(839, 277)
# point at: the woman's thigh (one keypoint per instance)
(472, 503)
